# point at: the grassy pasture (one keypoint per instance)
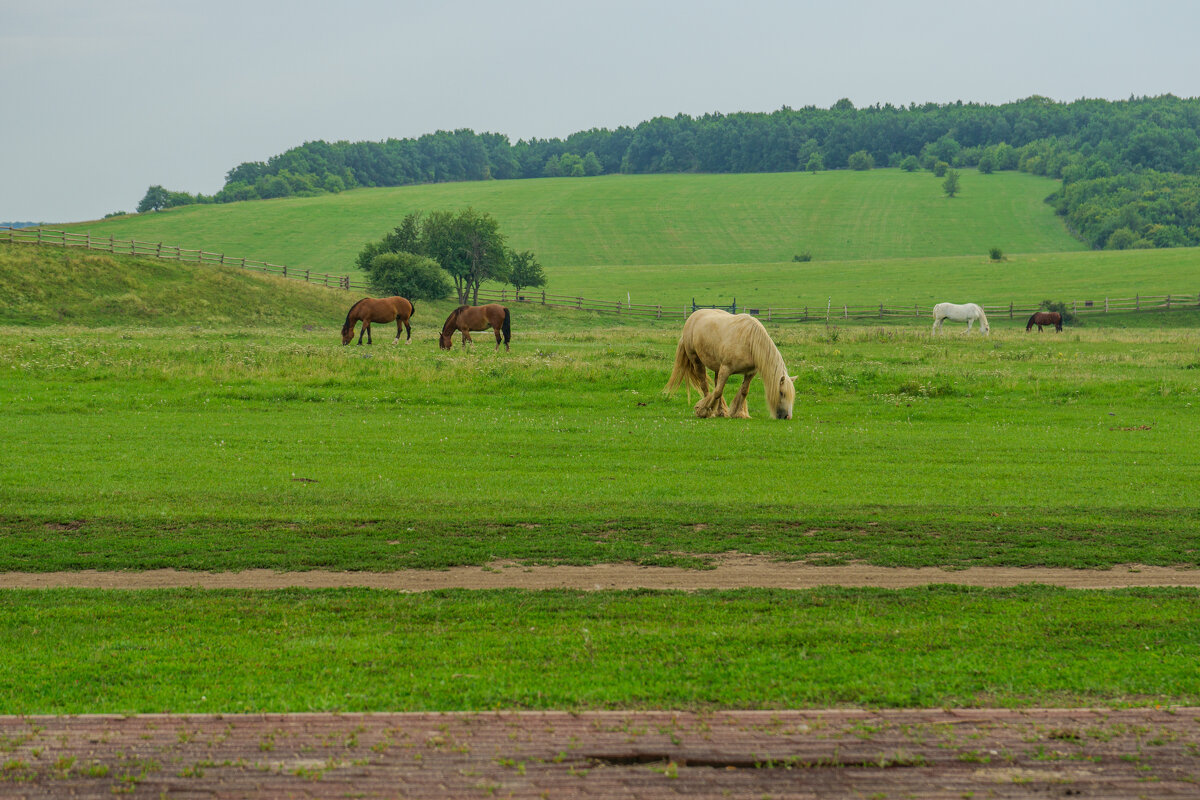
(919, 283)
(646, 219)
(76, 651)
(276, 447)
(172, 434)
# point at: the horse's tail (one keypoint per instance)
(412, 308)
(348, 325)
(1029, 325)
(684, 371)
(504, 326)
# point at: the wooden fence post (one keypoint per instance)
(1106, 305)
(543, 297)
(1074, 308)
(1010, 309)
(846, 312)
(881, 310)
(1137, 302)
(1168, 302)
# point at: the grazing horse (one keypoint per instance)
(382, 309)
(1045, 318)
(476, 318)
(730, 344)
(967, 313)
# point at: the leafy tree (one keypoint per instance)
(987, 163)
(815, 163)
(571, 166)
(485, 256)
(155, 199)
(861, 160)
(592, 165)
(950, 185)
(939, 169)
(526, 271)
(408, 275)
(910, 164)
(1121, 239)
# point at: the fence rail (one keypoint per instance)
(832, 313)
(828, 312)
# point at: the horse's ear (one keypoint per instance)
(792, 378)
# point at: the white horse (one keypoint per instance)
(728, 345)
(968, 313)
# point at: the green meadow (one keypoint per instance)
(629, 220)
(165, 415)
(194, 651)
(265, 443)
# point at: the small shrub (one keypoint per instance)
(805, 256)
(408, 275)
(996, 253)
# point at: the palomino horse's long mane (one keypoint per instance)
(771, 367)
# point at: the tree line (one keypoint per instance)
(1103, 151)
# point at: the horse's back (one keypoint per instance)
(718, 337)
(957, 311)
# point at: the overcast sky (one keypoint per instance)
(103, 99)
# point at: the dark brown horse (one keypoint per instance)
(378, 309)
(475, 318)
(1045, 318)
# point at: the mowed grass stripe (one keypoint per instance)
(79, 651)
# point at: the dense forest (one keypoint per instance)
(1130, 170)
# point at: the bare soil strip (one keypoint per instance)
(796, 754)
(731, 572)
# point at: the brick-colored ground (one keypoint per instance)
(751, 754)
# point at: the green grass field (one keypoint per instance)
(646, 219)
(191, 651)
(1064, 450)
(160, 415)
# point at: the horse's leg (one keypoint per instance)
(704, 406)
(714, 404)
(740, 408)
(399, 323)
(937, 326)
(407, 333)
(361, 331)
(499, 338)
(466, 337)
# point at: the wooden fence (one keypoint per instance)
(818, 313)
(833, 313)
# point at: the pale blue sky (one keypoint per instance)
(103, 99)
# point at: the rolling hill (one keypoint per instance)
(646, 219)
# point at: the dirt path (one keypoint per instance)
(730, 573)
(742, 754)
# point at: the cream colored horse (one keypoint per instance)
(968, 313)
(730, 345)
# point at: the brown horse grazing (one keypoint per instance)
(1045, 318)
(475, 318)
(381, 309)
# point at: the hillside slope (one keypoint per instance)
(41, 285)
(646, 219)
